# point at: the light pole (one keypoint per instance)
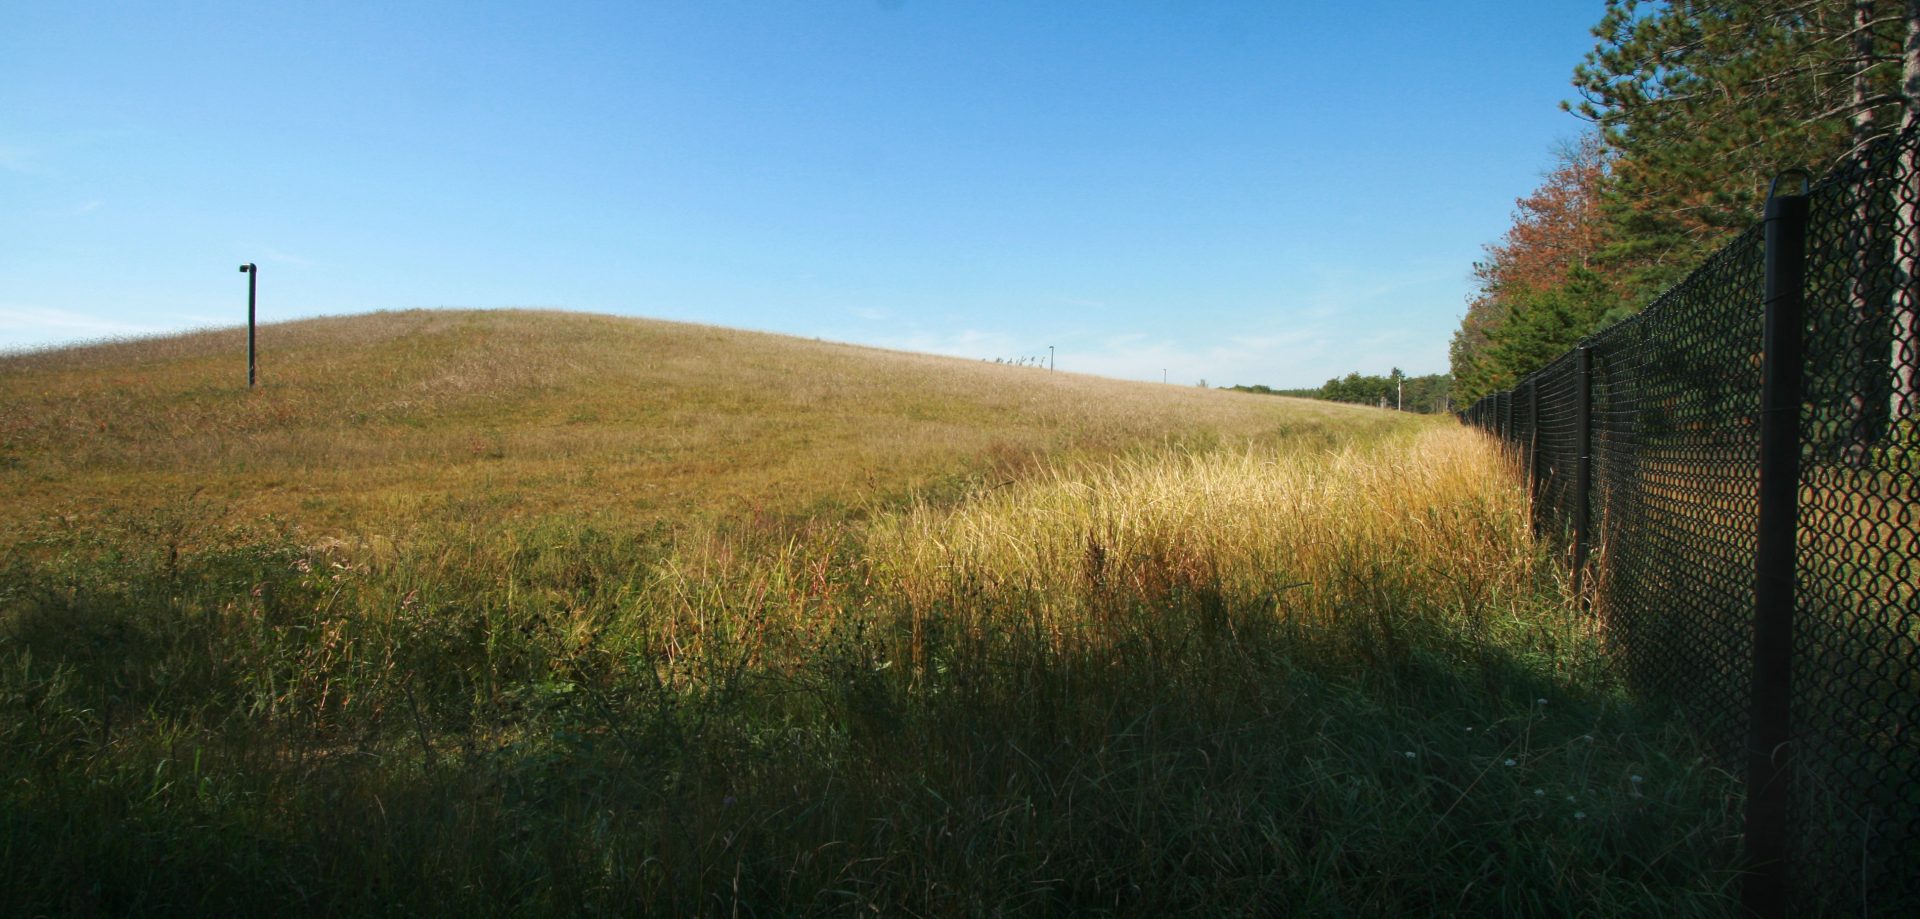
(252, 272)
(1049, 358)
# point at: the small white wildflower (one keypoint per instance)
(1539, 792)
(1636, 779)
(1469, 730)
(1539, 701)
(1409, 754)
(1579, 815)
(1587, 737)
(1509, 762)
(1569, 799)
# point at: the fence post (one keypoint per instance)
(1765, 888)
(252, 272)
(1582, 462)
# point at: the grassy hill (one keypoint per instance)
(371, 422)
(535, 613)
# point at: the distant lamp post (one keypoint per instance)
(1049, 358)
(252, 272)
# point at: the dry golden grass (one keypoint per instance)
(1298, 527)
(1132, 649)
(372, 422)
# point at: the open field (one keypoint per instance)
(889, 634)
(370, 423)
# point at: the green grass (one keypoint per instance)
(1099, 648)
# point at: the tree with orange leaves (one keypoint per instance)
(1547, 261)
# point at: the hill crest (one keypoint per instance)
(359, 419)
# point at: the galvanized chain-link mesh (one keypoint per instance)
(1673, 397)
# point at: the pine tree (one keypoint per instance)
(1556, 229)
(1904, 353)
(1699, 104)
(1703, 102)
(1546, 323)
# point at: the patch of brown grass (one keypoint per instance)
(379, 421)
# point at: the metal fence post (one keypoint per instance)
(1582, 462)
(252, 272)
(1764, 890)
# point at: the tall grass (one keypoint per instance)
(1298, 678)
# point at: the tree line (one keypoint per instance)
(1694, 106)
(1431, 393)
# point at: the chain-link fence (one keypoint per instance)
(1733, 473)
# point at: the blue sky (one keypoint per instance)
(1248, 193)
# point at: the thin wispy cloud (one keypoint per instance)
(1268, 356)
(282, 258)
(1223, 235)
(1341, 293)
(973, 343)
(1292, 337)
(1250, 359)
(18, 158)
(23, 326)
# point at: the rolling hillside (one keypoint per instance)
(544, 614)
(375, 421)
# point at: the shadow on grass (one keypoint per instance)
(265, 728)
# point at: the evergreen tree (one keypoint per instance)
(1546, 323)
(1703, 102)
(1699, 104)
(1556, 230)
